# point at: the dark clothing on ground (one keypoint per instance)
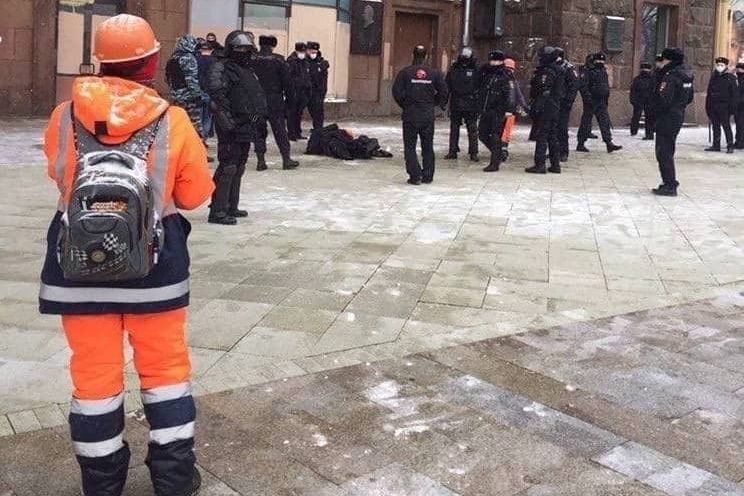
(547, 91)
(641, 98)
(299, 94)
(673, 95)
(720, 104)
(331, 141)
(273, 73)
(418, 89)
(462, 81)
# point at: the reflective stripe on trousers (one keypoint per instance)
(97, 426)
(171, 412)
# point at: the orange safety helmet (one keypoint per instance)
(510, 64)
(124, 38)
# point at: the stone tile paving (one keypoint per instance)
(342, 264)
(520, 415)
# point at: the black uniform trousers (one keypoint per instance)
(546, 138)
(635, 121)
(563, 120)
(297, 105)
(668, 125)
(232, 156)
(278, 128)
(585, 126)
(721, 119)
(598, 110)
(490, 129)
(412, 131)
(316, 107)
(739, 117)
(457, 117)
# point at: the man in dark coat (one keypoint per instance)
(547, 91)
(238, 102)
(300, 90)
(641, 97)
(462, 81)
(273, 73)
(720, 104)
(418, 90)
(319, 88)
(674, 93)
(571, 83)
(497, 92)
(598, 90)
(739, 117)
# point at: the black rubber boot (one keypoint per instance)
(556, 169)
(261, 165)
(289, 164)
(173, 468)
(664, 190)
(612, 147)
(107, 475)
(536, 170)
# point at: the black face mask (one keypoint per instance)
(242, 58)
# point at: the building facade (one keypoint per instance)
(44, 44)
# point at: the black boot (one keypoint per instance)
(714, 148)
(107, 475)
(474, 157)
(582, 148)
(730, 149)
(172, 468)
(414, 182)
(237, 213)
(451, 156)
(664, 190)
(612, 147)
(261, 165)
(492, 167)
(555, 169)
(289, 164)
(221, 218)
(537, 169)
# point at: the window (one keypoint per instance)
(265, 16)
(655, 30)
(730, 30)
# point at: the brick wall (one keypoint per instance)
(27, 57)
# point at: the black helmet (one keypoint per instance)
(419, 52)
(547, 54)
(673, 55)
(242, 39)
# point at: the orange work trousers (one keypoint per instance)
(161, 355)
(509, 122)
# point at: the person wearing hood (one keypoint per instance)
(182, 74)
(319, 78)
(571, 76)
(547, 91)
(720, 104)
(498, 97)
(273, 73)
(674, 93)
(641, 96)
(739, 116)
(598, 90)
(462, 81)
(300, 90)
(114, 115)
(239, 103)
(418, 89)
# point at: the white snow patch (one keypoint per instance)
(320, 440)
(537, 409)
(405, 431)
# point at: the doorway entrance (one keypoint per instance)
(412, 30)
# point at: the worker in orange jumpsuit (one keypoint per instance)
(112, 108)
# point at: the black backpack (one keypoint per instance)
(110, 229)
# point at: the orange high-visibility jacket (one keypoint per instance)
(114, 110)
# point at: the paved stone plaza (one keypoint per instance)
(488, 334)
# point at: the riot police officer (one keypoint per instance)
(674, 93)
(273, 73)
(641, 97)
(418, 90)
(319, 88)
(572, 88)
(462, 81)
(238, 102)
(497, 98)
(598, 89)
(547, 91)
(587, 112)
(300, 89)
(720, 104)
